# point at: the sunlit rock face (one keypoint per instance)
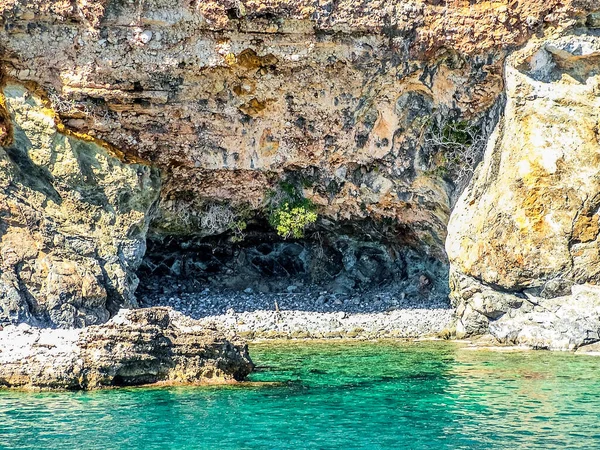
(525, 232)
(374, 112)
(136, 347)
(229, 98)
(73, 220)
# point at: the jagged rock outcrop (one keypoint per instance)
(73, 219)
(375, 113)
(524, 237)
(154, 345)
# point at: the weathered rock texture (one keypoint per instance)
(73, 220)
(524, 236)
(228, 98)
(135, 347)
(375, 111)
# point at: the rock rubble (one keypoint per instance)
(312, 314)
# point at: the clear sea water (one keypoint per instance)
(334, 395)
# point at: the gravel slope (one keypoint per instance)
(311, 314)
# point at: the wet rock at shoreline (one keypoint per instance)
(136, 347)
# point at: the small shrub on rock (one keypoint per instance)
(290, 220)
(289, 212)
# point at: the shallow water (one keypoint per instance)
(334, 395)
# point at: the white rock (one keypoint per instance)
(145, 36)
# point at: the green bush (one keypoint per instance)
(289, 212)
(238, 228)
(460, 133)
(455, 146)
(291, 220)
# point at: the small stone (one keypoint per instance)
(145, 36)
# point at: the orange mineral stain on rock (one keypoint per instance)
(268, 145)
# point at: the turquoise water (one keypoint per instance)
(334, 395)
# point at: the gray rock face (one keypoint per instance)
(525, 236)
(561, 323)
(342, 265)
(73, 220)
(135, 347)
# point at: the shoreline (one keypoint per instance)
(297, 324)
(224, 325)
(59, 357)
(312, 314)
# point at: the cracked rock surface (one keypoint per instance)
(135, 347)
(229, 98)
(524, 237)
(73, 220)
(186, 122)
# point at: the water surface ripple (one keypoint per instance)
(334, 395)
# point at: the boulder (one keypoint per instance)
(136, 347)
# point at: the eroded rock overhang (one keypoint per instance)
(374, 112)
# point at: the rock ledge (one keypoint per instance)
(144, 346)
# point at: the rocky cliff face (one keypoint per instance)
(524, 236)
(73, 219)
(372, 114)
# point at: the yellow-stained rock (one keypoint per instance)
(526, 230)
(72, 230)
(344, 87)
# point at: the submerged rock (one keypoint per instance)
(136, 347)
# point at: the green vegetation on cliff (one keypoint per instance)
(290, 212)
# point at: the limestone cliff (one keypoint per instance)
(228, 98)
(524, 236)
(374, 113)
(73, 220)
